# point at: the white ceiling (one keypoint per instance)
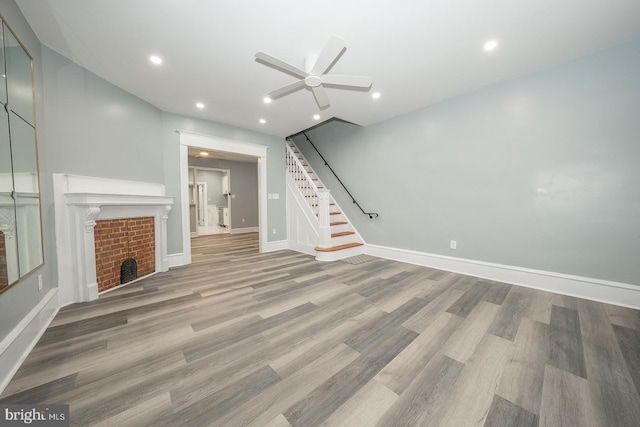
(418, 52)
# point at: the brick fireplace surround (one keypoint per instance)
(84, 208)
(119, 239)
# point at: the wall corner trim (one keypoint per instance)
(16, 346)
(175, 260)
(276, 246)
(609, 292)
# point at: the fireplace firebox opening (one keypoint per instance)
(128, 270)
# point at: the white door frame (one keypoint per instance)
(204, 212)
(190, 139)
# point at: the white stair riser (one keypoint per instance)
(337, 218)
(338, 255)
(342, 240)
(340, 228)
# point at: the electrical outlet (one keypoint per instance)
(242, 219)
(39, 282)
(274, 231)
(453, 245)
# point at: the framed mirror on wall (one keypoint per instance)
(20, 216)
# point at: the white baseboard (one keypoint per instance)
(276, 246)
(123, 285)
(609, 292)
(16, 346)
(175, 260)
(92, 291)
(299, 247)
(245, 230)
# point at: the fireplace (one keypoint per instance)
(84, 206)
(125, 250)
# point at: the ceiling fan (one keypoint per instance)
(314, 77)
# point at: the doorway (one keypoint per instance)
(209, 201)
(236, 148)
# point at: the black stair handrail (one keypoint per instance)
(371, 214)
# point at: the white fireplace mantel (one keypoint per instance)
(80, 201)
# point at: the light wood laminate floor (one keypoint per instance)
(278, 339)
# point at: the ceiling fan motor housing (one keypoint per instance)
(312, 81)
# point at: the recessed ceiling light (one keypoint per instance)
(200, 105)
(204, 153)
(155, 59)
(490, 45)
(375, 95)
(316, 117)
(267, 100)
(263, 121)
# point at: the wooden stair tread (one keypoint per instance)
(332, 213)
(338, 223)
(343, 233)
(339, 247)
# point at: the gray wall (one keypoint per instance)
(214, 186)
(97, 129)
(539, 172)
(244, 186)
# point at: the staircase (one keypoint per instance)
(336, 237)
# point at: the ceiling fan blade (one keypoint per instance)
(354, 81)
(331, 51)
(286, 89)
(280, 64)
(321, 96)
